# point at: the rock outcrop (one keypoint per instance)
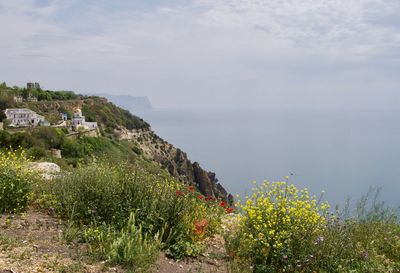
(175, 161)
(48, 170)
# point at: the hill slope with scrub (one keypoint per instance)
(127, 201)
(122, 134)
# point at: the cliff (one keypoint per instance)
(175, 161)
(116, 123)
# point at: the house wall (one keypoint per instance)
(23, 117)
(91, 125)
(78, 121)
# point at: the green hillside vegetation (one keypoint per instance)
(126, 212)
(122, 208)
(38, 142)
(51, 103)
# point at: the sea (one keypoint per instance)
(344, 153)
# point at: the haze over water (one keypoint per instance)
(341, 152)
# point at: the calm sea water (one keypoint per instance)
(341, 152)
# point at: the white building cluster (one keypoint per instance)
(79, 121)
(22, 117)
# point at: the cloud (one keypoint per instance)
(207, 53)
(331, 26)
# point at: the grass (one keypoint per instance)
(6, 243)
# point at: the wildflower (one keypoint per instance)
(222, 204)
(210, 198)
(364, 255)
(190, 188)
(200, 226)
(179, 193)
(229, 210)
(200, 197)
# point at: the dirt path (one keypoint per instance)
(33, 242)
(212, 261)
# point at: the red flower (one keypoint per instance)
(229, 210)
(200, 226)
(210, 198)
(190, 188)
(179, 193)
(222, 204)
(200, 197)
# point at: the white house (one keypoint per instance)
(79, 121)
(91, 125)
(18, 99)
(23, 117)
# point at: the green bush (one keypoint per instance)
(278, 227)
(282, 229)
(112, 116)
(37, 152)
(50, 137)
(14, 182)
(107, 193)
(132, 247)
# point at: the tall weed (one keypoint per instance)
(15, 181)
(104, 193)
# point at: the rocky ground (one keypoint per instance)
(34, 242)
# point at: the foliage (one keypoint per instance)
(132, 247)
(39, 140)
(14, 181)
(278, 221)
(43, 137)
(108, 193)
(37, 152)
(283, 230)
(112, 116)
(42, 95)
(50, 137)
(94, 108)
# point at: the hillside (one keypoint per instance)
(120, 134)
(125, 200)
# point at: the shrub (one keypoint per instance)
(282, 229)
(14, 182)
(137, 150)
(37, 152)
(278, 227)
(51, 137)
(132, 247)
(107, 193)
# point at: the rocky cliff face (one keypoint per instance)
(176, 162)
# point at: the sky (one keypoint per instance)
(283, 54)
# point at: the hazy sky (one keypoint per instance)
(209, 53)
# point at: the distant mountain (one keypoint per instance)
(131, 103)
